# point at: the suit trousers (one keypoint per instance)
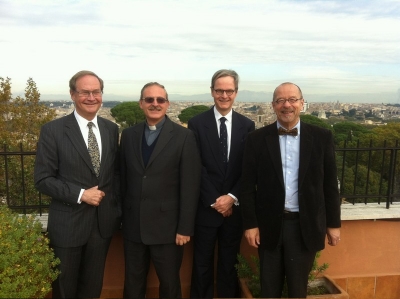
(82, 267)
(205, 240)
(167, 260)
(290, 260)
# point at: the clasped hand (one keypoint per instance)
(92, 196)
(223, 205)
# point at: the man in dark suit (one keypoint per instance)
(221, 134)
(79, 172)
(160, 183)
(290, 198)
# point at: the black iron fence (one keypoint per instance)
(365, 175)
(17, 188)
(369, 174)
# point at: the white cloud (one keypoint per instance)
(331, 45)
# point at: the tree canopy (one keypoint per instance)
(127, 114)
(348, 131)
(20, 122)
(187, 113)
(313, 120)
(21, 118)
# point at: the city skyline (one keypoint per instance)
(328, 48)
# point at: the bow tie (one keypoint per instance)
(292, 132)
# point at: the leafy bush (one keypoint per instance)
(27, 263)
(251, 272)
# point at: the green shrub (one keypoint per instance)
(251, 272)
(27, 263)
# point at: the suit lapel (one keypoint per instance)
(137, 140)
(272, 144)
(306, 144)
(75, 135)
(105, 142)
(236, 139)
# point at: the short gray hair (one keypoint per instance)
(225, 73)
(151, 84)
(72, 81)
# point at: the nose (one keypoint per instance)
(287, 104)
(224, 94)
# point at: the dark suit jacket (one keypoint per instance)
(215, 181)
(159, 200)
(63, 167)
(263, 192)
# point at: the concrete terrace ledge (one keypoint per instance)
(358, 211)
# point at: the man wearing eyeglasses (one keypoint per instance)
(160, 182)
(289, 195)
(221, 134)
(76, 165)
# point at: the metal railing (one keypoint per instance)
(365, 174)
(16, 182)
(369, 174)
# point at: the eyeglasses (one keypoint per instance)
(283, 101)
(159, 100)
(220, 92)
(86, 93)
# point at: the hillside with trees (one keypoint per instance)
(20, 123)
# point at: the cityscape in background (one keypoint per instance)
(262, 113)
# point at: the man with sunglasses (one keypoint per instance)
(289, 196)
(221, 134)
(160, 183)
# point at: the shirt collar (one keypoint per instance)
(157, 127)
(278, 125)
(219, 115)
(83, 121)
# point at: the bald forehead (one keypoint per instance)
(287, 86)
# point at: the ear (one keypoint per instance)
(71, 92)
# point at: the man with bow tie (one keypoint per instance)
(289, 196)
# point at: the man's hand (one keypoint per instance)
(227, 213)
(92, 196)
(181, 240)
(333, 235)
(223, 204)
(253, 236)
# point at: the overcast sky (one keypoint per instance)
(323, 46)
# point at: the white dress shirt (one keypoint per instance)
(290, 156)
(83, 125)
(228, 124)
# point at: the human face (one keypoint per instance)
(223, 102)
(87, 106)
(155, 111)
(288, 115)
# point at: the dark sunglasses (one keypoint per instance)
(159, 100)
